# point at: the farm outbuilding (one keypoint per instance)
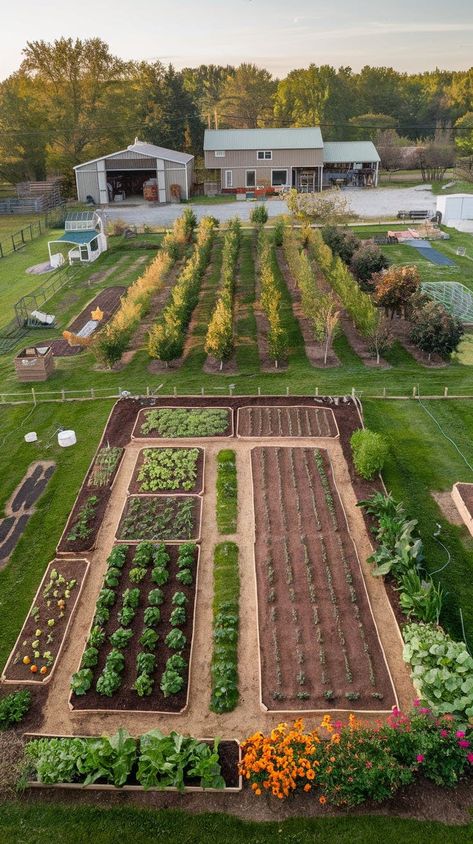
(142, 171)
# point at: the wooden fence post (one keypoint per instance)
(445, 393)
(34, 395)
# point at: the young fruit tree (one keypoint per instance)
(435, 331)
(327, 209)
(394, 289)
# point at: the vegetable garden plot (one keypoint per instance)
(39, 644)
(168, 470)
(158, 517)
(139, 648)
(297, 421)
(319, 646)
(190, 422)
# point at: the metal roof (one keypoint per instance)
(309, 137)
(336, 152)
(149, 150)
(77, 237)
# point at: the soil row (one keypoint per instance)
(108, 301)
(286, 422)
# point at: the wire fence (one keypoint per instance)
(17, 240)
(35, 396)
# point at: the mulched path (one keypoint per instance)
(15, 670)
(135, 485)
(126, 698)
(286, 422)
(317, 635)
(108, 301)
(21, 505)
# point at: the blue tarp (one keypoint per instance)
(432, 255)
(77, 237)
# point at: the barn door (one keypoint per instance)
(102, 177)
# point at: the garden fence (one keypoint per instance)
(15, 242)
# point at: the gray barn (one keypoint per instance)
(122, 175)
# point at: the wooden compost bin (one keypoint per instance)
(35, 363)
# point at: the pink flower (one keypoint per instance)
(424, 711)
(369, 764)
(463, 743)
(469, 757)
(395, 710)
(416, 702)
(460, 734)
(420, 757)
(444, 733)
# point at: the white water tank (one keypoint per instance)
(31, 437)
(66, 438)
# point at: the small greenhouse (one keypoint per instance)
(84, 231)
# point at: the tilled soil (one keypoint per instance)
(319, 645)
(126, 698)
(108, 301)
(286, 422)
(197, 487)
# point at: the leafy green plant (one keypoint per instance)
(186, 422)
(169, 760)
(171, 682)
(178, 616)
(175, 639)
(13, 708)
(179, 599)
(117, 557)
(168, 469)
(185, 577)
(227, 494)
(176, 662)
(102, 615)
(53, 760)
(81, 681)
(112, 577)
(126, 616)
(115, 661)
(137, 574)
(121, 637)
(369, 450)
(145, 663)
(155, 597)
(158, 517)
(224, 669)
(90, 658)
(109, 758)
(106, 598)
(149, 638)
(143, 685)
(259, 215)
(82, 527)
(420, 598)
(108, 683)
(152, 616)
(160, 575)
(131, 598)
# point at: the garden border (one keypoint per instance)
(282, 436)
(462, 508)
(135, 436)
(200, 492)
(305, 712)
(3, 679)
(133, 788)
(198, 538)
(145, 711)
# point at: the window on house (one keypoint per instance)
(264, 155)
(219, 153)
(228, 178)
(278, 178)
(251, 178)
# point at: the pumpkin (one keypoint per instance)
(34, 669)
(43, 670)
(26, 660)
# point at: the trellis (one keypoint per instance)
(457, 299)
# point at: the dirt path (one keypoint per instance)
(248, 715)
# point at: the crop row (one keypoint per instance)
(219, 340)
(284, 422)
(227, 493)
(224, 669)
(157, 517)
(168, 469)
(177, 422)
(270, 299)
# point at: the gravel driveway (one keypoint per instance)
(382, 203)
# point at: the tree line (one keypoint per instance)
(71, 100)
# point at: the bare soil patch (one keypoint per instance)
(136, 487)
(286, 422)
(108, 301)
(448, 507)
(126, 698)
(21, 505)
(315, 352)
(319, 644)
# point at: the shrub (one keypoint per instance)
(367, 260)
(13, 708)
(342, 242)
(278, 232)
(259, 215)
(435, 331)
(369, 450)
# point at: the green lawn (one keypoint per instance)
(35, 823)
(220, 199)
(14, 280)
(457, 187)
(12, 223)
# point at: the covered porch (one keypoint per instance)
(307, 179)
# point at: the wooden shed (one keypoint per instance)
(35, 363)
(125, 174)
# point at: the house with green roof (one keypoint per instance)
(279, 159)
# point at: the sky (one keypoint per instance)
(409, 35)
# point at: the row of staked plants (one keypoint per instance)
(104, 466)
(227, 492)
(219, 341)
(156, 558)
(191, 422)
(224, 667)
(166, 338)
(442, 669)
(271, 299)
(155, 759)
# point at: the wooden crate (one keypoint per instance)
(34, 363)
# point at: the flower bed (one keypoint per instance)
(161, 517)
(168, 470)
(39, 644)
(318, 640)
(139, 648)
(122, 762)
(297, 421)
(184, 422)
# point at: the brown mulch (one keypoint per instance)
(107, 300)
(126, 698)
(135, 486)
(286, 422)
(315, 352)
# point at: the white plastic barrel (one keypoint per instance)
(31, 437)
(66, 438)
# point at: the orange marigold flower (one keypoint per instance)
(310, 775)
(322, 800)
(335, 739)
(307, 786)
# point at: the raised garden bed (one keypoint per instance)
(184, 422)
(275, 421)
(462, 495)
(151, 593)
(46, 626)
(107, 301)
(171, 518)
(319, 645)
(177, 470)
(83, 525)
(229, 758)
